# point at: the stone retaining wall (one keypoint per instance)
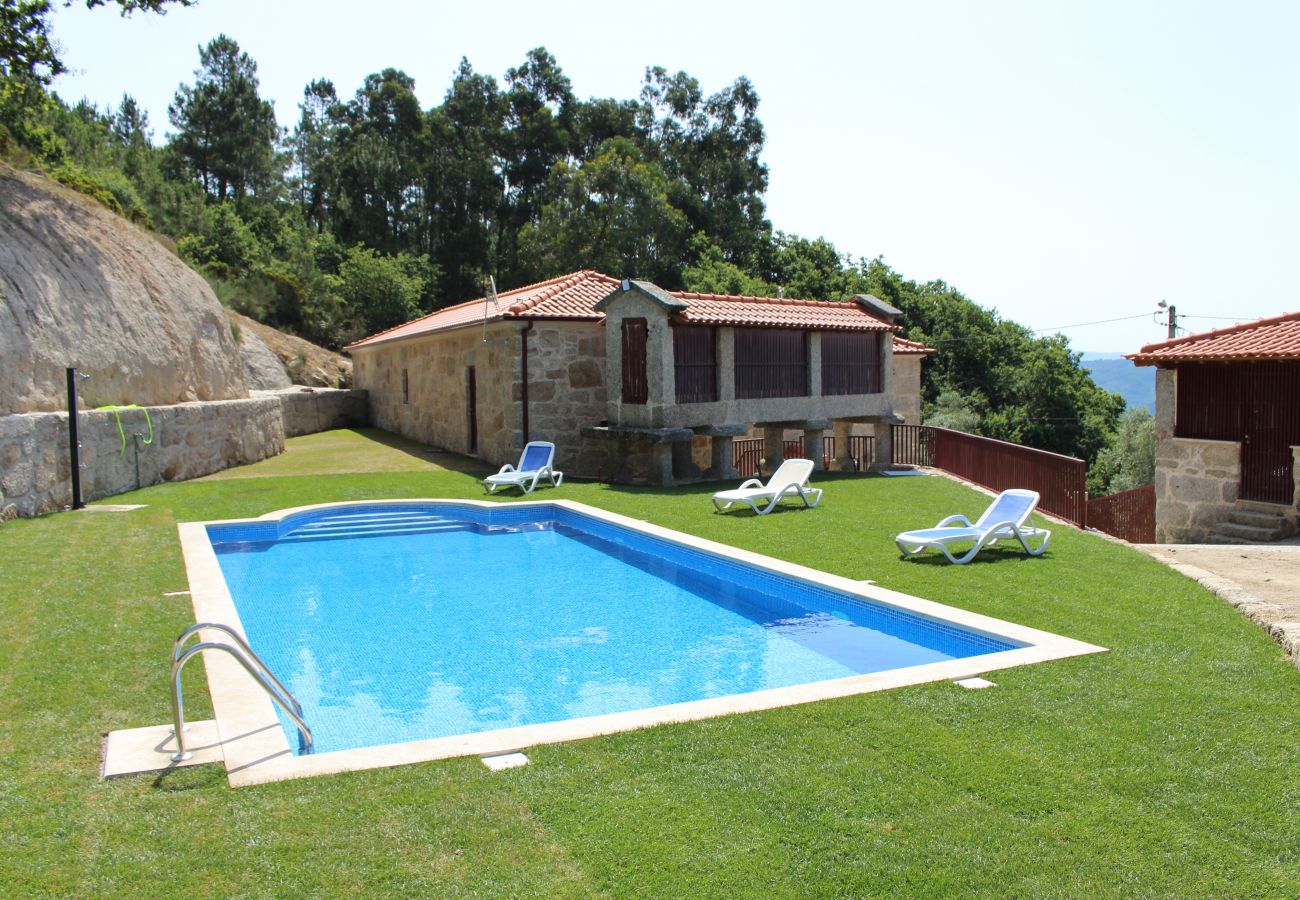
(188, 440)
(1196, 487)
(309, 410)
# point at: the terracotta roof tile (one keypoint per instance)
(1274, 338)
(904, 347)
(575, 296)
(569, 296)
(776, 312)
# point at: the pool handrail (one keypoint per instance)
(252, 664)
(243, 645)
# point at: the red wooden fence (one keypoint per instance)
(747, 454)
(1130, 516)
(1061, 481)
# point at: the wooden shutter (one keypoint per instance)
(635, 387)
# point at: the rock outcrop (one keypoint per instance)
(81, 286)
(306, 363)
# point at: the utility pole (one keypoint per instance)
(1171, 318)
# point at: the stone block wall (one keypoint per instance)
(435, 407)
(309, 410)
(566, 390)
(1196, 486)
(188, 440)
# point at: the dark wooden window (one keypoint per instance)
(635, 387)
(406, 387)
(695, 363)
(851, 362)
(771, 362)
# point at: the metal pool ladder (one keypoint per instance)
(252, 664)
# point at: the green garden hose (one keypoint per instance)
(117, 412)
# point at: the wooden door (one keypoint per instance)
(1266, 453)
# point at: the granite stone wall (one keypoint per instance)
(175, 443)
(308, 410)
(566, 390)
(1196, 480)
(434, 408)
(1196, 487)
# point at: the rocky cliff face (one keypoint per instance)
(80, 286)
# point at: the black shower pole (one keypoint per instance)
(74, 445)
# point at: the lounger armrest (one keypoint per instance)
(954, 519)
(751, 483)
(508, 467)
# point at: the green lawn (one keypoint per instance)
(1167, 766)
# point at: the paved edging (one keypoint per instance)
(1267, 615)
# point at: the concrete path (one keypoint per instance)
(1261, 580)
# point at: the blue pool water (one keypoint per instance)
(393, 624)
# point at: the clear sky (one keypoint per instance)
(1062, 163)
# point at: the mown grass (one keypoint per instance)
(1164, 767)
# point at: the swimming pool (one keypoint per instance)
(437, 628)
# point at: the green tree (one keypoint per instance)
(1130, 460)
(314, 156)
(465, 183)
(611, 214)
(381, 291)
(225, 131)
(538, 105)
(709, 149)
(710, 273)
(953, 410)
(380, 154)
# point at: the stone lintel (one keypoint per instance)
(653, 435)
(720, 430)
(800, 424)
(888, 418)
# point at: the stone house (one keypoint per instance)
(637, 384)
(1227, 431)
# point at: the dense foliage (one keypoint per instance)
(373, 209)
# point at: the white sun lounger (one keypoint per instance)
(536, 462)
(1004, 520)
(789, 480)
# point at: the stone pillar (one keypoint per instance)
(684, 468)
(723, 456)
(814, 368)
(843, 458)
(884, 450)
(726, 364)
(661, 463)
(773, 446)
(812, 447)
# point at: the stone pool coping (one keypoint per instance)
(256, 750)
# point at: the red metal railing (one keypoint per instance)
(862, 449)
(1061, 481)
(746, 455)
(1130, 516)
(913, 445)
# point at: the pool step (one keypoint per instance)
(374, 524)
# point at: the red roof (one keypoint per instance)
(904, 347)
(575, 296)
(1274, 338)
(775, 312)
(570, 296)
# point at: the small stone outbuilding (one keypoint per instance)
(1227, 431)
(637, 384)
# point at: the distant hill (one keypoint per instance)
(1137, 385)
